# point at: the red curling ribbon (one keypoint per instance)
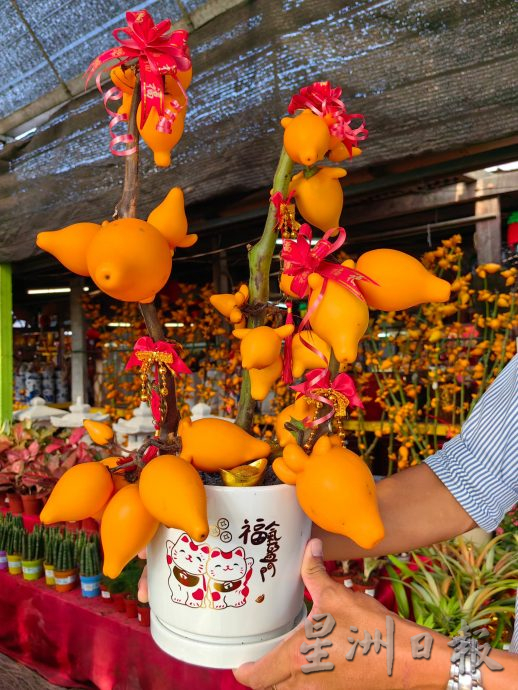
(148, 346)
(321, 378)
(115, 94)
(158, 51)
(287, 358)
(324, 100)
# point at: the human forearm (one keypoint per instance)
(416, 509)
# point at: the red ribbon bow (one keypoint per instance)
(147, 344)
(322, 99)
(158, 52)
(321, 378)
(301, 259)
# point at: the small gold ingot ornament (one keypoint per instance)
(245, 475)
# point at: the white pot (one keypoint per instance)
(238, 594)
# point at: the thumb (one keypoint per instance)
(313, 570)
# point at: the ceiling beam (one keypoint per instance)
(483, 185)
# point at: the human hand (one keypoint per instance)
(142, 593)
(281, 668)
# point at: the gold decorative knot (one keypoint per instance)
(339, 401)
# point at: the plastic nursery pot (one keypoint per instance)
(369, 588)
(15, 504)
(3, 560)
(105, 594)
(32, 570)
(90, 585)
(235, 596)
(118, 601)
(130, 604)
(143, 612)
(65, 579)
(49, 574)
(342, 578)
(14, 564)
(32, 505)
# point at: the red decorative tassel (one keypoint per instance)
(287, 362)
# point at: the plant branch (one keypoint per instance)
(127, 208)
(259, 260)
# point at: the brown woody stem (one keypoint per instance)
(127, 208)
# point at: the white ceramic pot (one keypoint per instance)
(235, 596)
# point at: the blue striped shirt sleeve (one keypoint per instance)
(480, 465)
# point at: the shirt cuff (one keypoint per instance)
(482, 494)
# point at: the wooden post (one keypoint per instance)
(78, 362)
(6, 343)
(488, 239)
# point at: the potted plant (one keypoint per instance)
(51, 538)
(32, 554)
(118, 593)
(143, 613)
(90, 570)
(456, 582)
(65, 571)
(106, 589)
(364, 579)
(224, 559)
(14, 549)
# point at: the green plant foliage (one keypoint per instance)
(456, 582)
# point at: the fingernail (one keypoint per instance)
(316, 548)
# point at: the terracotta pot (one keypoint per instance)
(143, 614)
(32, 570)
(32, 505)
(131, 607)
(15, 504)
(118, 601)
(49, 574)
(369, 588)
(105, 594)
(65, 579)
(14, 563)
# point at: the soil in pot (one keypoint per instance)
(32, 504)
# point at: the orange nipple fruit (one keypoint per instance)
(129, 260)
(229, 305)
(162, 143)
(319, 198)
(403, 281)
(70, 245)
(80, 493)
(184, 77)
(303, 357)
(335, 489)
(261, 380)
(126, 528)
(340, 319)
(99, 432)
(306, 137)
(214, 444)
(299, 410)
(173, 493)
(170, 220)
(261, 346)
